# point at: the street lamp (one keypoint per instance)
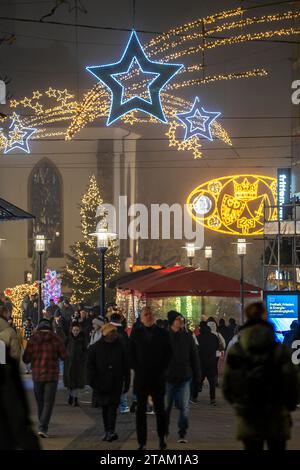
(208, 255)
(241, 248)
(40, 248)
(190, 251)
(103, 239)
(2, 240)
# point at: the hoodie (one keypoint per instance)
(43, 351)
(222, 342)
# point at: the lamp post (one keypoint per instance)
(190, 251)
(208, 255)
(103, 239)
(40, 248)
(241, 247)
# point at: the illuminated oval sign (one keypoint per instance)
(234, 204)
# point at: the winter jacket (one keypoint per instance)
(261, 383)
(108, 371)
(208, 345)
(75, 363)
(184, 364)
(150, 353)
(43, 351)
(9, 336)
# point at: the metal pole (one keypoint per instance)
(40, 286)
(242, 288)
(102, 290)
(191, 260)
(208, 264)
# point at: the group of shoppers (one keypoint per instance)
(167, 363)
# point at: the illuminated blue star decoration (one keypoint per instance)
(156, 74)
(18, 136)
(198, 121)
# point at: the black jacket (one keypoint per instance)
(184, 363)
(108, 371)
(208, 346)
(150, 353)
(75, 364)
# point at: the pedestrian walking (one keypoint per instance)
(208, 346)
(183, 367)
(43, 351)
(109, 376)
(261, 383)
(116, 320)
(222, 346)
(150, 353)
(9, 335)
(75, 364)
(28, 329)
(58, 327)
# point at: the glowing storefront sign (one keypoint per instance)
(283, 189)
(235, 204)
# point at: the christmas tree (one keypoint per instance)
(82, 273)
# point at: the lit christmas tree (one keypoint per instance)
(82, 273)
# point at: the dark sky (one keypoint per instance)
(45, 55)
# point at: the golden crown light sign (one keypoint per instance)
(235, 204)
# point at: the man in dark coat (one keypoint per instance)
(150, 353)
(261, 383)
(75, 364)
(109, 376)
(184, 366)
(208, 347)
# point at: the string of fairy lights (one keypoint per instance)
(185, 42)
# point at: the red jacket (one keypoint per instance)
(43, 351)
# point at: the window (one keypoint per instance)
(45, 202)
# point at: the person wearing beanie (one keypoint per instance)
(150, 353)
(183, 368)
(261, 383)
(109, 376)
(208, 345)
(44, 350)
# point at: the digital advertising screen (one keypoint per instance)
(283, 309)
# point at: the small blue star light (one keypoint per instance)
(198, 121)
(156, 74)
(18, 135)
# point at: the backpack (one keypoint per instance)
(257, 380)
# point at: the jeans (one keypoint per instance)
(123, 402)
(45, 393)
(180, 393)
(109, 413)
(159, 408)
(258, 444)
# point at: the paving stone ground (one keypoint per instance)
(211, 428)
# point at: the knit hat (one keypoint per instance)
(108, 328)
(172, 315)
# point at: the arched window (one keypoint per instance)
(45, 202)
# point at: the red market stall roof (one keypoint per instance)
(194, 282)
(141, 283)
(118, 280)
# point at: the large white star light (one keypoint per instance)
(18, 136)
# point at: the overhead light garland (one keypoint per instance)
(54, 106)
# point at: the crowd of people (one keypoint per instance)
(165, 363)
